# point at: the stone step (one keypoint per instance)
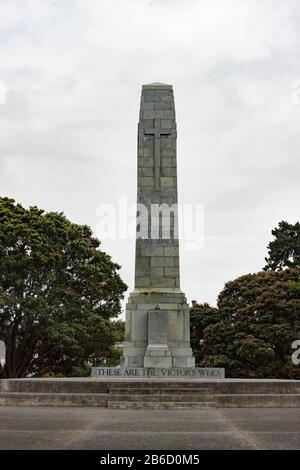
(160, 398)
(257, 400)
(159, 391)
(53, 385)
(161, 384)
(154, 405)
(53, 399)
(88, 385)
(151, 401)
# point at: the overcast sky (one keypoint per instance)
(74, 70)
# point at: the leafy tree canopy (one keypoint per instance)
(201, 316)
(284, 250)
(259, 319)
(58, 294)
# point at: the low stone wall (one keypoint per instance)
(151, 394)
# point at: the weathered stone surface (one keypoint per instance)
(169, 171)
(171, 272)
(142, 281)
(162, 261)
(150, 392)
(167, 181)
(153, 114)
(160, 361)
(157, 272)
(145, 162)
(157, 327)
(157, 86)
(167, 105)
(171, 251)
(169, 114)
(146, 171)
(157, 251)
(167, 123)
(148, 106)
(146, 181)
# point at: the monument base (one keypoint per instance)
(117, 392)
(159, 373)
(148, 329)
(157, 355)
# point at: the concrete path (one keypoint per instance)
(98, 428)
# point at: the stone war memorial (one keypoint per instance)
(157, 337)
(157, 368)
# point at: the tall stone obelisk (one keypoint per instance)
(157, 314)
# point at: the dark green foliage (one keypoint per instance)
(58, 294)
(201, 316)
(259, 319)
(284, 251)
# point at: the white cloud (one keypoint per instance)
(74, 71)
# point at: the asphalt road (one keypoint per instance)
(97, 428)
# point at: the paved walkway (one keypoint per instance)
(95, 428)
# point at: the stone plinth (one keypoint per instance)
(176, 309)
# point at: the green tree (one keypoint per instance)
(58, 294)
(284, 250)
(261, 319)
(201, 316)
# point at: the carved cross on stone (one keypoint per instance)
(157, 132)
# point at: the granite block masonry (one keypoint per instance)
(157, 314)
